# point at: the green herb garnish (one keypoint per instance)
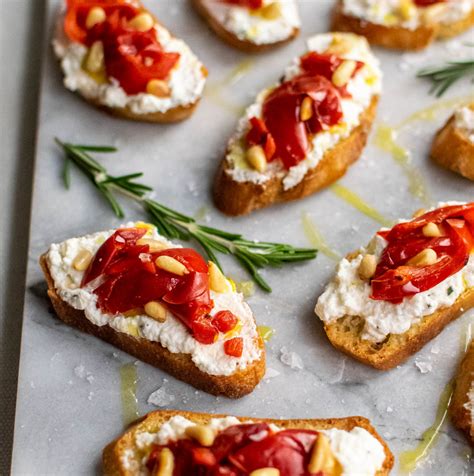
(450, 290)
(443, 77)
(251, 255)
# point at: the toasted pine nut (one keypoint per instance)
(158, 88)
(156, 311)
(367, 266)
(306, 109)
(95, 16)
(166, 463)
(136, 311)
(95, 58)
(82, 260)
(217, 281)
(256, 158)
(322, 458)
(266, 472)
(424, 258)
(203, 434)
(343, 73)
(431, 230)
(407, 9)
(171, 265)
(154, 245)
(142, 22)
(419, 212)
(272, 11)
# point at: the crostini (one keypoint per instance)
(169, 443)
(251, 25)
(161, 303)
(453, 146)
(119, 58)
(462, 403)
(404, 24)
(302, 134)
(389, 299)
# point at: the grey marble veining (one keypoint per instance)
(69, 385)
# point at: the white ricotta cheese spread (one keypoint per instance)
(357, 450)
(252, 26)
(464, 121)
(186, 80)
(171, 334)
(363, 87)
(389, 12)
(348, 295)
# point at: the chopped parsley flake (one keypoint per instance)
(450, 290)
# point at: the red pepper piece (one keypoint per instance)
(252, 4)
(204, 331)
(225, 321)
(234, 347)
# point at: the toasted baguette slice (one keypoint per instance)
(397, 37)
(113, 456)
(462, 403)
(346, 333)
(180, 365)
(240, 196)
(453, 150)
(174, 104)
(213, 13)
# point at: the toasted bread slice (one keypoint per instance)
(180, 365)
(206, 9)
(462, 403)
(398, 37)
(453, 150)
(240, 187)
(175, 100)
(115, 453)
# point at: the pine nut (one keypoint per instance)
(82, 260)
(156, 311)
(154, 245)
(306, 109)
(166, 463)
(419, 212)
(322, 458)
(272, 11)
(171, 265)
(431, 230)
(343, 73)
(95, 58)
(256, 158)
(158, 88)
(367, 266)
(142, 22)
(407, 9)
(424, 258)
(137, 311)
(203, 434)
(95, 16)
(217, 281)
(266, 472)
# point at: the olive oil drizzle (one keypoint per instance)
(316, 239)
(128, 390)
(265, 332)
(358, 203)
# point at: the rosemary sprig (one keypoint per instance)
(252, 255)
(443, 77)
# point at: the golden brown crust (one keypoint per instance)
(240, 198)
(111, 457)
(180, 366)
(231, 38)
(453, 150)
(463, 417)
(397, 37)
(344, 335)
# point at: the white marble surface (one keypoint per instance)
(63, 420)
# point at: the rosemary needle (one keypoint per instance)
(251, 255)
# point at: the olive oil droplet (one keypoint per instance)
(128, 390)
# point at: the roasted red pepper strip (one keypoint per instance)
(252, 4)
(394, 279)
(427, 3)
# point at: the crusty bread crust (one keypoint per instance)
(240, 198)
(180, 366)
(112, 454)
(397, 37)
(231, 38)
(462, 417)
(453, 150)
(344, 335)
